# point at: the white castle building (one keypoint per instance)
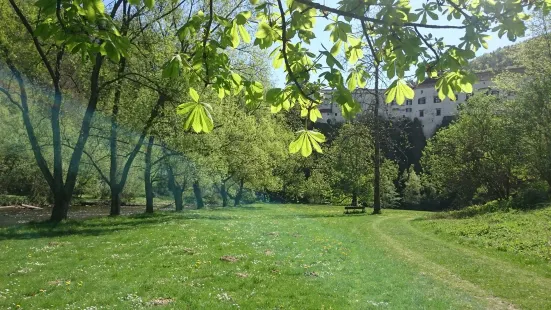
(425, 106)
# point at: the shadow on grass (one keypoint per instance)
(98, 226)
(311, 216)
(107, 225)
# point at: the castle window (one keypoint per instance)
(438, 112)
(437, 99)
(421, 113)
(409, 102)
(422, 100)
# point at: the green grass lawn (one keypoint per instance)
(262, 257)
(527, 233)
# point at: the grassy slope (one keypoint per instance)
(290, 257)
(527, 233)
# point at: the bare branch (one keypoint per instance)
(427, 44)
(10, 98)
(98, 169)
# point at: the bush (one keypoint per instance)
(10, 200)
(530, 196)
(474, 210)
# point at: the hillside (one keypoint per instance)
(500, 59)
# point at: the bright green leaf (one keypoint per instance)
(193, 94)
(149, 3)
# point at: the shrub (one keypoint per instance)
(530, 196)
(10, 200)
(474, 210)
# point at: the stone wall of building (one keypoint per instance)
(425, 106)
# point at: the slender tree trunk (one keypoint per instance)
(376, 134)
(177, 192)
(198, 195)
(176, 189)
(224, 194)
(113, 144)
(147, 177)
(126, 169)
(239, 194)
(61, 201)
(354, 199)
(377, 159)
(55, 182)
(76, 157)
(116, 192)
(63, 191)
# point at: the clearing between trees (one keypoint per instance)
(278, 257)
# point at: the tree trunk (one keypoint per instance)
(85, 128)
(126, 169)
(61, 201)
(377, 138)
(113, 142)
(354, 199)
(198, 195)
(239, 194)
(61, 206)
(177, 192)
(116, 192)
(376, 160)
(147, 177)
(174, 188)
(224, 194)
(59, 211)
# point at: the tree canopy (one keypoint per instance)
(391, 29)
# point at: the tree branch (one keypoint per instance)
(427, 44)
(58, 14)
(157, 19)
(103, 177)
(370, 19)
(10, 98)
(37, 151)
(115, 8)
(284, 53)
(205, 39)
(35, 39)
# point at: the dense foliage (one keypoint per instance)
(127, 86)
(498, 148)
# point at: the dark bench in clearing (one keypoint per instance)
(348, 208)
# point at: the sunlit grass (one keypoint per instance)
(261, 257)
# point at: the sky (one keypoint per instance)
(451, 37)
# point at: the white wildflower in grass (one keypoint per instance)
(224, 297)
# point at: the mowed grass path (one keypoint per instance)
(274, 257)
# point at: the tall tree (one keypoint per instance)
(351, 162)
(530, 106)
(94, 36)
(479, 154)
(147, 176)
